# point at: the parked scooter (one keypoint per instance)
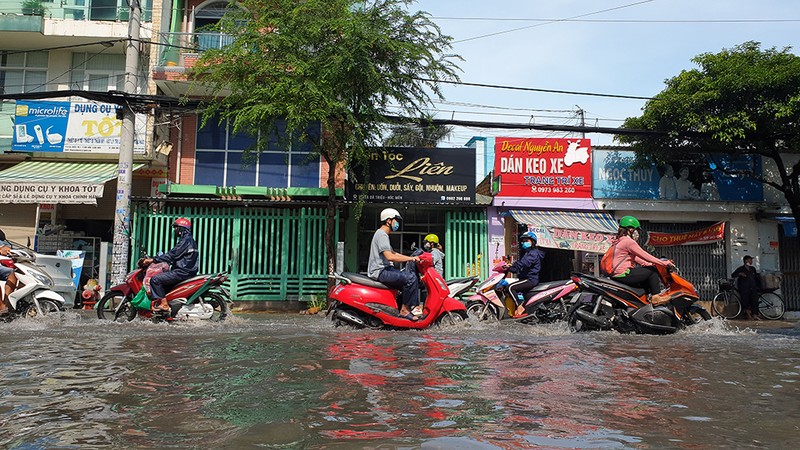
(545, 303)
(617, 306)
(202, 297)
(33, 296)
(361, 302)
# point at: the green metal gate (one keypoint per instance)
(271, 253)
(466, 244)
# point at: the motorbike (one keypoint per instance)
(626, 309)
(459, 286)
(545, 303)
(33, 296)
(358, 301)
(199, 298)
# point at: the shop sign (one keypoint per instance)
(543, 167)
(713, 233)
(585, 241)
(64, 193)
(714, 178)
(417, 175)
(86, 127)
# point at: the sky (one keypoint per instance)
(617, 47)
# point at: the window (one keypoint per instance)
(222, 159)
(23, 72)
(98, 72)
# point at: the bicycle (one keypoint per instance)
(727, 303)
(770, 304)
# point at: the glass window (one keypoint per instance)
(209, 168)
(97, 71)
(22, 72)
(283, 164)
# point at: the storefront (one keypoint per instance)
(544, 185)
(709, 216)
(434, 190)
(61, 193)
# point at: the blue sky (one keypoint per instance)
(597, 52)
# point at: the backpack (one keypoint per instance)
(607, 266)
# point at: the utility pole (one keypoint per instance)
(581, 114)
(122, 212)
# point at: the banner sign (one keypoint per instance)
(417, 175)
(713, 233)
(52, 126)
(716, 178)
(544, 167)
(561, 238)
(65, 194)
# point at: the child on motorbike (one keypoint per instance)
(527, 269)
(381, 257)
(183, 258)
(633, 265)
(431, 245)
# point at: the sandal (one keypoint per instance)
(410, 317)
(159, 308)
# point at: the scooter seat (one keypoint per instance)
(638, 291)
(357, 278)
(194, 278)
(459, 280)
(549, 285)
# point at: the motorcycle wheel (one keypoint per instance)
(452, 319)
(338, 316)
(222, 307)
(107, 307)
(575, 323)
(696, 314)
(47, 306)
(476, 309)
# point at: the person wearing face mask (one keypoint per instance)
(527, 269)
(633, 265)
(381, 257)
(748, 284)
(183, 260)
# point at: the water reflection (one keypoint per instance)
(285, 381)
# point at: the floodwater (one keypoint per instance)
(285, 381)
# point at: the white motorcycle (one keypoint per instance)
(33, 296)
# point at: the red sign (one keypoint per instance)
(713, 233)
(543, 167)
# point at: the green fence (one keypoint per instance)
(466, 244)
(271, 253)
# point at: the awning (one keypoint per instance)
(789, 225)
(56, 182)
(571, 220)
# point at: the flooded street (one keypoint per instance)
(291, 381)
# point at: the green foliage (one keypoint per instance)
(33, 7)
(743, 100)
(341, 63)
(420, 134)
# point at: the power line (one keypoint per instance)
(667, 21)
(553, 21)
(549, 91)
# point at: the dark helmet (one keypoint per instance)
(528, 235)
(182, 222)
(629, 222)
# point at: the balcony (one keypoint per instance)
(181, 49)
(29, 14)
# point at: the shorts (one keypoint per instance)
(5, 272)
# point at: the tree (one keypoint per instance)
(740, 101)
(341, 63)
(420, 133)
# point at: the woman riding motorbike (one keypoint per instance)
(632, 265)
(527, 269)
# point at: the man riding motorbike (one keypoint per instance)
(527, 269)
(381, 257)
(183, 259)
(632, 265)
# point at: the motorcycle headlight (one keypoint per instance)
(42, 278)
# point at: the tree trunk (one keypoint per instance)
(330, 218)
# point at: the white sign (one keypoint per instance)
(62, 193)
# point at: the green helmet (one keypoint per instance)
(628, 221)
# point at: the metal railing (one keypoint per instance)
(81, 10)
(176, 44)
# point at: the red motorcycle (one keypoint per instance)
(202, 297)
(361, 302)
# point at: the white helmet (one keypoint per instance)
(390, 213)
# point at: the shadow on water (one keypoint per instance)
(291, 381)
